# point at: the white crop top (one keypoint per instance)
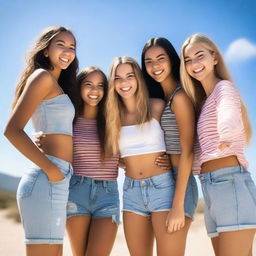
(141, 139)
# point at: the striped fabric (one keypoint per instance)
(87, 160)
(170, 127)
(221, 121)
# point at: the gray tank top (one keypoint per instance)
(54, 116)
(170, 127)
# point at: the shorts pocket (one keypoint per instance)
(111, 188)
(74, 181)
(251, 188)
(27, 184)
(223, 181)
(165, 183)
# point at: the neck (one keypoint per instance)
(209, 83)
(130, 105)
(168, 86)
(90, 112)
(55, 73)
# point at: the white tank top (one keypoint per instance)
(141, 139)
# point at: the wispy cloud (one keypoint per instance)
(240, 50)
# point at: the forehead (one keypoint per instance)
(95, 75)
(192, 49)
(154, 51)
(123, 69)
(64, 36)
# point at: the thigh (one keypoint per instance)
(169, 243)
(236, 243)
(44, 249)
(102, 232)
(138, 234)
(78, 229)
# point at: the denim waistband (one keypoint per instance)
(88, 180)
(60, 163)
(147, 181)
(209, 176)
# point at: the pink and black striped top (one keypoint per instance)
(86, 152)
(221, 121)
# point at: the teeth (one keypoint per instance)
(198, 70)
(158, 72)
(125, 89)
(64, 59)
(94, 97)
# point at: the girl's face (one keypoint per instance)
(157, 63)
(92, 89)
(125, 81)
(61, 50)
(199, 62)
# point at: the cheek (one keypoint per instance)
(148, 69)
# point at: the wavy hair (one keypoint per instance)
(155, 89)
(79, 103)
(194, 88)
(36, 59)
(115, 107)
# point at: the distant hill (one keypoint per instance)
(8, 182)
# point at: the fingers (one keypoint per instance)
(175, 226)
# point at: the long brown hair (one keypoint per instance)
(36, 59)
(115, 107)
(194, 88)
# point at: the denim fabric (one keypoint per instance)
(95, 198)
(42, 204)
(230, 200)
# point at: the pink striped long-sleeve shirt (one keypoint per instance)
(221, 121)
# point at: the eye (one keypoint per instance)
(101, 86)
(130, 76)
(148, 62)
(187, 61)
(161, 59)
(201, 56)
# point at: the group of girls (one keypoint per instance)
(134, 119)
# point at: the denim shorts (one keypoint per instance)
(145, 196)
(42, 204)
(95, 198)
(230, 200)
(191, 197)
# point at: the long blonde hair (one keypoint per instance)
(115, 107)
(194, 88)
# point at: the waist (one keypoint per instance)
(58, 145)
(219, 163)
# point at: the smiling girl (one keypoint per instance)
(42, 94)
(223, 130)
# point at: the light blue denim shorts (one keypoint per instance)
(230, 200)
(191, 197)
(145, 196)
(42, 204)
(95, 198)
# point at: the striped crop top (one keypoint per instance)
(141, 139)
(169, 125)
(87, 154)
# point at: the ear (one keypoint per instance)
(215, 58)
(46, 53)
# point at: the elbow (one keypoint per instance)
(9, 131)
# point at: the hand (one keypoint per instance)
(55, 175)
(163, 162)
(175, 220)
(39, 136)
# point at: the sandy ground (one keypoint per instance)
(11, 239)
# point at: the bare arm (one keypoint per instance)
(184, 113)
(38, 86)
(156, 108)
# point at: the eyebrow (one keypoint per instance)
(62, 41)
(186, 57)
(160, 55)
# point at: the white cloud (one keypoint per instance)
(240, 49)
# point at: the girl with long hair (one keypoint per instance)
(42, 94)
(93, 204)
(160, 67)
(133, 129)
(223, 130)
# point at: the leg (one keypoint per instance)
(169, 243)
(44, 249)
(236, 243)
(102, 232)
(138, 234)
(78, 229)
(215, 245)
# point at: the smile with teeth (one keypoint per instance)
(93, 97)
(198, 70)
(64, 60)
(158, 72)
(125, 89)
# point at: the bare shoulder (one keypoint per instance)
(156, 107)
(181, 99)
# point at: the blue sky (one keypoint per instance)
(106, 29)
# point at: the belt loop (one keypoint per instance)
(209, 174)
(132, 183)
(241, 169)
(105, 183)
(82, 179)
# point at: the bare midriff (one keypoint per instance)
(58, 145)
(143, 166)
(216, 164)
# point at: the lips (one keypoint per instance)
(198, 70)
(93, 97)
(125, 89)
(66, 60)
(157, 73)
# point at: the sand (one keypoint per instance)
(11, 239)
